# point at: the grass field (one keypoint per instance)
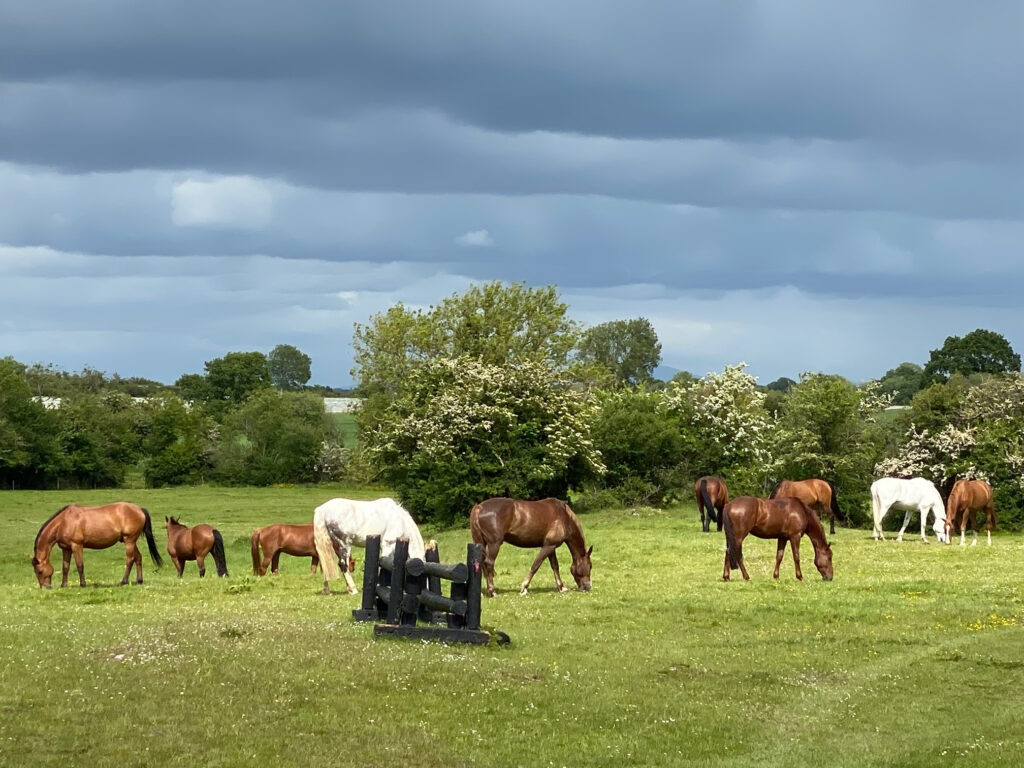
(913, 656)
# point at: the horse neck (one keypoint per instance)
(815, 530)
(574, 540)
(46, 538)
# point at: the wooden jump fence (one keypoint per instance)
(402, 592)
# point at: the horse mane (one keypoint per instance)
(813, 521)
(35, 544)
(175, 520)
(573, 519)
(776, 489)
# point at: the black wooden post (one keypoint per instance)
(397, 580)
(433, 582)
(474, 559)
(371, 563)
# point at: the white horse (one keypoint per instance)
(914, 495)
(343, 522)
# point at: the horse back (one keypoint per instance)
(521, 523)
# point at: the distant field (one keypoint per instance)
(913, 656)
(346, 423)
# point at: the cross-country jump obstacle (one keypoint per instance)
(401, 591)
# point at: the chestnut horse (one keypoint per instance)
(296, 540)
(547, 524)
(816, 494)
(966, 498)
(184, 543)
(75, 527)
(786, 519)
(712, 496)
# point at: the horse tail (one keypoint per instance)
(835, 501)
(775, 490)
(147, 528)
(731, 546)
(706, 500)
(325, 548)
(255, 542)
(218, 553)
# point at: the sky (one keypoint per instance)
(801, 186)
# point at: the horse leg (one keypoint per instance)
(974, 527)
(778, 557)
(129, 559)
(545, 552)
(831, 518)
(924, 522)
(274, 562)
(705, 522)
(906, 522)
(67, 567)
(76, 550)
(795, 542)
(553, 559)
(490, 555)
(179, 565)
(314, 564)
(138, 563)
(990, 521)
(720, 510)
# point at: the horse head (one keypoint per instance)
(823, 561)
(580, 570)
(44, 572)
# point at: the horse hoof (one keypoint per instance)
(523, 593)
(353, 591)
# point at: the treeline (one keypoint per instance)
(229, 425)
(497, 391)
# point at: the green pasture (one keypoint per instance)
(913, 656)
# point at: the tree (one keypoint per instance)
(628, 348)
(980, 351)
(496, 324)
(289, 368)
(231, 379)
(29, 447)
(273, 437)
(461, 430)
(782, 384)
(902, 382)
(178, 445)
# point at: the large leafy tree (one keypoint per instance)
(228, 381)
(902, 382)
(461, 430)
(629, 349)
(29, 434)
(289, 367)
(979, 351)
(495, 323)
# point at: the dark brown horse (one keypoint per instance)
(816, 494)
(966, 498)
(75, 527)
(712, 496)
(546, 524)
(184, 543)
(786, 519)
(296, 540)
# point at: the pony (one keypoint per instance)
(184, 543)
(816, 494)
(296, 540)
(913, 495)
(340, 523)
(966, 498)
(786, 519)
(547, 524)
(712, 496)
(75, 527)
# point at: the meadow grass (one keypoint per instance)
(913, 656)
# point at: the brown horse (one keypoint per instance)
(546, 524)
(966, 498)
(816, 494)
(712, 496)
(184, 543)
(786, 519)
(75, 527)
(296, 540)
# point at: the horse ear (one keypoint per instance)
(590, 550)
(166, 519)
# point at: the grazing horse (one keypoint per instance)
(184, 543)
(712, 496)
(339, 524)
(816, 494)
(913, 495)
(966, 498)
(75, 527)
(296, 540)
(786, 519)
(546, 524)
